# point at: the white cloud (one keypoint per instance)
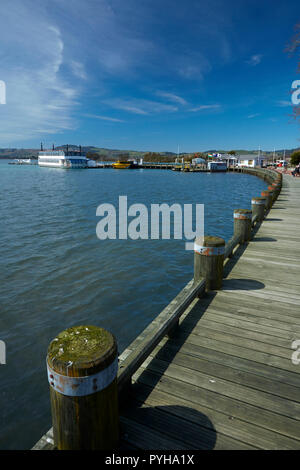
(205, 107)
(78, 69)
(39, 100)
(104, 118)
(251, 116)
(171, 97)
(283, 103)
(255, 60)
(140, 106)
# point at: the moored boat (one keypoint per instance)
(119, 165)
(62, 159)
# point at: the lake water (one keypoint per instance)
(55, 272)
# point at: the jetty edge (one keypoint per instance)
(282, 427)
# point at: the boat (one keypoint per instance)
(23, 161)
(62, 159)
(120, 165)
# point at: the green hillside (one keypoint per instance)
(105, 154)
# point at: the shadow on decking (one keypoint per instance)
(242, 284)
(273, 220)
(264, 239)
(167, 427)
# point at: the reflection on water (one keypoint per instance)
(56, 273)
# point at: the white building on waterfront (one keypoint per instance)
(251, 161)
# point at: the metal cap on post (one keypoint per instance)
(258, 205)
(242, 224)
(208, 261)
(82, 365)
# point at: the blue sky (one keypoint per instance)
(148, 74)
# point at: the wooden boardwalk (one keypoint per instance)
(226, 380)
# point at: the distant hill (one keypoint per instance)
(18, 153)
(113, 154)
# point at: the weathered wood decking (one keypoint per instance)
(226, 379)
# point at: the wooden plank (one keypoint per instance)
(287, 281)
(246, 353)
(251, 344)
(281, 311)
(146, 438)
(232, 407)
(192, 434)
(226, 388)
(263, 379)
(231, 320)
(251, 317)
(233, 332)
(222, 423)
(46, 442)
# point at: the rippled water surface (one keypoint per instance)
(55, 272)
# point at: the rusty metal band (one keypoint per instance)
(243, 216)
(209, 250)
(82, 386)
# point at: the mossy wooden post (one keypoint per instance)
(242, 224)
(208, 261)
(82, 365)
(258, 205)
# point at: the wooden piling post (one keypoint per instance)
(272, 195)
(242, 224)
(268, 197)
(82, 365)
(258, 205)
(276, 188)
(208, 261)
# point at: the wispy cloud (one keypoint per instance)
(39, 99)
(103, 118)
(171, 97)
(252, 116)
(140, 106)
(78, 69)
(283, 103)
(254, 60)
(205, 107)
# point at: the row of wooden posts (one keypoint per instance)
(82, 362)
